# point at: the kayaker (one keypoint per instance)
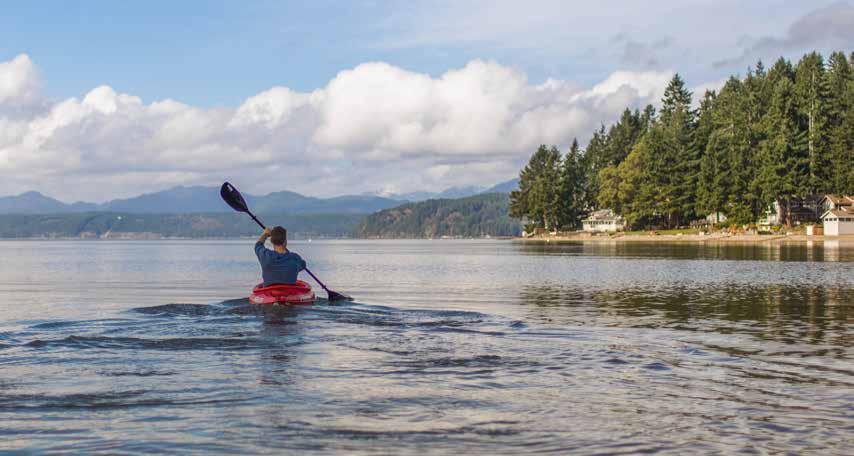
(278, 265)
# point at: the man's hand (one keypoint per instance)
(264, 235)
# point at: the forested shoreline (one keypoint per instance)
(471, 217)
(107, 225)
(774, 135)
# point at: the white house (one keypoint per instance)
(838, 217)
(603, 221)
(838, 221)
(830, 202)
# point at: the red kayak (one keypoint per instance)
(297, 294)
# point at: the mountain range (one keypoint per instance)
(452, 192)
(202, 199)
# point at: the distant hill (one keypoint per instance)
(198, 199)
(456, 192)
(36, 203)
(504, 187)
(460, 192)
(474, 216)
(451, 192)
(139, 226)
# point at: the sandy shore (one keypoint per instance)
(690, 238)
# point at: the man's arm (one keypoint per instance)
(264, 236)
(260, 250)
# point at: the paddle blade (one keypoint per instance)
(233, 198)
(335, 296)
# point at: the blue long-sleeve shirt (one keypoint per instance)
(278, 267)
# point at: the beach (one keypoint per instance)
(710, 238)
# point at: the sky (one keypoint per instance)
(101, 99)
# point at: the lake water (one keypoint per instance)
(466, 347)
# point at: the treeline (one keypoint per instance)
(777, 134)
(97, 224)
(475, 216)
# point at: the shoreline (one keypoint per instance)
(714, 238)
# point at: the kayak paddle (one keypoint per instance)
(234, 199)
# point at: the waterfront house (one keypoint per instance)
(838, 217)
(715, 218)
(831, 202)
(801, 210)
(838, 221)
(603, 221)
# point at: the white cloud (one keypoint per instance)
(19, 86)
(371, 127)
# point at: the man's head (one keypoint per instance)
(279, 236)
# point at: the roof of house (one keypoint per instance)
(603, 215)
(844, 211)
(840, 200)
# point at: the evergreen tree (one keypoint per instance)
(782, 69)
(673, 163)
(537, 198)
(573, 204)
(622, 136)
(595, 158)
(812, 96)
(609, 195)
(647, 118)
(707, 170)
(730, 146)
(848, 132)
(840, 127)
(783, 165)
(677, 98)
(644, 181)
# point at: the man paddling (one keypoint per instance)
(278, 265)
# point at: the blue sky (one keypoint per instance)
(211, 53)
(304, 65)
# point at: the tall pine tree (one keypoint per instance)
(673, 163)
(572, 199)
(783, 165)
(812, 96)
(840, 122)
(595, 158)
(538, 198)
(706, 185)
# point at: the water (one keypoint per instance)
(470, 347)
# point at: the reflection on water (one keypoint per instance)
(831, 250)
(465, 346)
(787, 314)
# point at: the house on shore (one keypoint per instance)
(714, 219)
(801, 210)
(838, 218)
(603, 221)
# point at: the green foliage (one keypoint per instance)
(783, 162)
(474, 216)
(538, 196)
(812, 97)
(775, 135)
(840, 76)
(572, 203)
